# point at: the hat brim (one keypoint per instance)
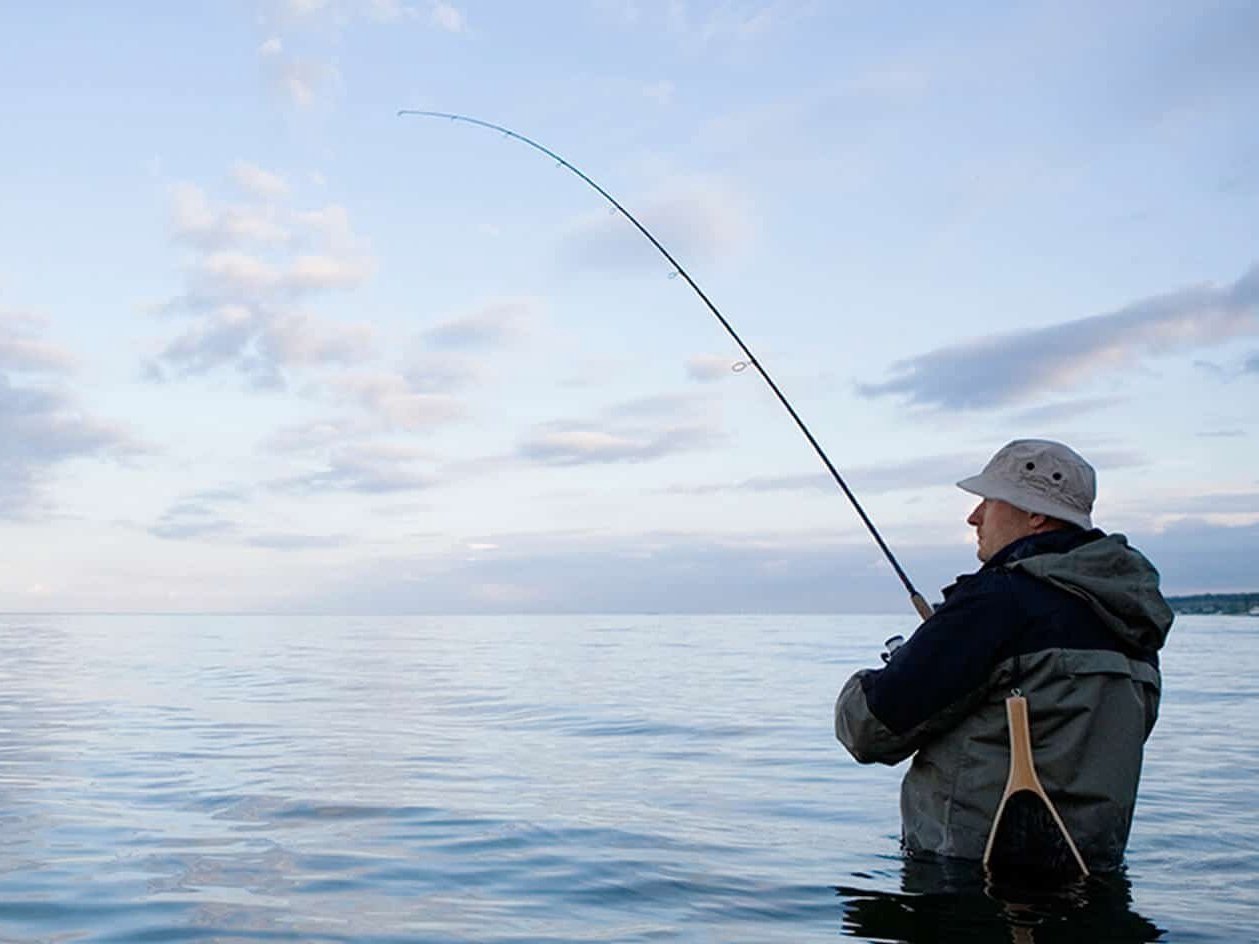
(1024, 499)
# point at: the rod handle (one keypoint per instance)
(921, 605)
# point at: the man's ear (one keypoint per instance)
(1039, 522)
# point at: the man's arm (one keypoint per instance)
(933, 680)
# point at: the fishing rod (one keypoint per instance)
(916, 598)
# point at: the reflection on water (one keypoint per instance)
(946, 900)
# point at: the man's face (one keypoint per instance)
(997, 524)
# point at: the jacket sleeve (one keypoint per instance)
(935, 679)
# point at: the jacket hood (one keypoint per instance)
(1116, 580)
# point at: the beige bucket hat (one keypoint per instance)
(1040, 476)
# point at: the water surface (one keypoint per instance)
(581, 778)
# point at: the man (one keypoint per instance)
(1071, 617)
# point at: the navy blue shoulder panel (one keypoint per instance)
(950, 655)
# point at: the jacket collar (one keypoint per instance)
(1049, 542)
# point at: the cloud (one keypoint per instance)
(341, 13)
(873, 480)
(260, 344)
(218, 338)
(196, 222)
(660, 406)
(1251, 366)
(262, 225)
(1219, 503)
(709, 368)
(258, 183)
(296, 542)
(447, 17)
(586, 445)
(1210, 367)
(383, 401)
(657, 573)
(698, 221)
(437, 373)
(199, 515)
(315, 273)
(43, 427)
(593, 446)
(21, 350)
(316, 435)
(391, 399)
(636, 430)
(302, 8)
(328, 226)
(297, 338)
(231, 275)
(920, 472)
(192, 520)
(595, 371)
(733, 22)
(251, 265)
(1106, 458)
(1001, 370)
(227, 494)
(494, 324)
(1197, 556)
(300, 80)
(766, 483)
(180, 528)
(369, 469)
(1065, 410)
(701, 27)
(315, 29)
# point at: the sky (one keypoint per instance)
(265, 345)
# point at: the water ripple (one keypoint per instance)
(539, 779)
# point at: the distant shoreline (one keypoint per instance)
(1234, 604)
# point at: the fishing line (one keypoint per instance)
(920, 604)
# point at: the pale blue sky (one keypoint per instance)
(266, 345)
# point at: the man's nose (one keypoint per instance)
(976, 516)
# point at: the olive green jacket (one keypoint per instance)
(1074, 620)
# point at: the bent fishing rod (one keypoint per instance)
(916, 598)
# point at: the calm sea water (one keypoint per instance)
(618, 778)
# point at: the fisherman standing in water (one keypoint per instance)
(1071, 617)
